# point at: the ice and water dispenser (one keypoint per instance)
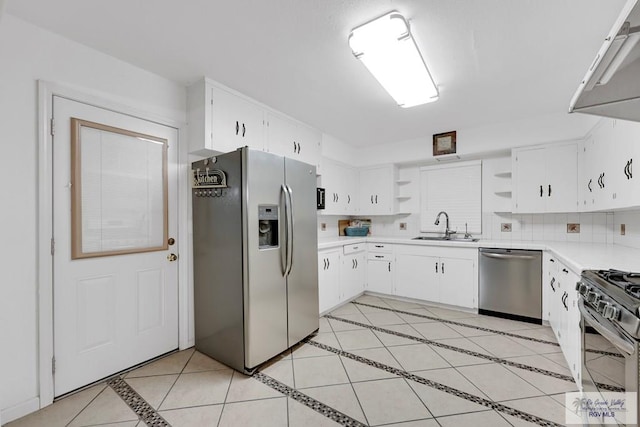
(268, 226)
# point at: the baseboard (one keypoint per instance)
(20, 410)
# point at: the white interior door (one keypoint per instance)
(115, 304)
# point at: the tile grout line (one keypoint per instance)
(480, 328)
(353, 389)
(472, 353)
(438, 386)
(138, 405)
(308, 401)
(87, 405)
(400, 364)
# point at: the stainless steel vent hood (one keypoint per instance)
(611, 86)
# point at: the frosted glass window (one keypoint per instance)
(119, 184)
(455, 189)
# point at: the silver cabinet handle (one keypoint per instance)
(443, 268)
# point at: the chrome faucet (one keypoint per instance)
(447, 231)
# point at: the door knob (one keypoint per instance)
(171, 241)
(172, 257)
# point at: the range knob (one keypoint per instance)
(611, 312)
(592, 297)
(582, 288)
(602, 306)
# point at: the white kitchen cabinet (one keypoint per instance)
(545, 178)
(329, 278)
(380, 273)
(624, 145)
(221, 121)
(292, 139)
(341, 188)
(380, 268)
(438, 274)
(456, 282)
(377, 190)
(353, 272)
(417, 276)
(606, 168)
(562, 311)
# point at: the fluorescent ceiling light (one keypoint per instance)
(385, 46)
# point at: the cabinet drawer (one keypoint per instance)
(379, 247)
(352, 249)
(377, 256)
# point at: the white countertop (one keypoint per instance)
(577, 256)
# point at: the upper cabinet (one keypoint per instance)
(377, 190)
(221, 120)
(606, 179)
(341, 188)
(545, 178)
(292, 139)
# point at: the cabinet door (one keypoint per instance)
(349, 193)
(328, 279)
(573, 341)
(331, 183)
(280, 135)
(457, 282)
(380, 276)
(236, 122)
(602, 166)
(417, 277)
(376, 190)
(308, 141)
(625, 186)
(561, 184)
(353, 275)
(529, 177)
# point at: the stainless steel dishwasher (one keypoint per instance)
(511, 284)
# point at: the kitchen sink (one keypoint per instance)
(445, 238)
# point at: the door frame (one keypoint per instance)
(46, 91)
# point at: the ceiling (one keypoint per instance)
(494, 61)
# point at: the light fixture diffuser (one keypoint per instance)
(387, 48)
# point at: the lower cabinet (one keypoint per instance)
(380, 268)
(328, 279)
(417, 276)
(341, 274)
(380, 274)
(439, 274)
(353, 271)
(561, 309)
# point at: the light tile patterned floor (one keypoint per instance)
(396, 363)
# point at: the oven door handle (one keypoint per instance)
(600, 325)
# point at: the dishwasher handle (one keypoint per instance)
(507, 256)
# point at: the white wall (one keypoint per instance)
(484, 139)
(28, 53)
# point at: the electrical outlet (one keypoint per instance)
(403, 226)
(505, 227)
(623, 229)
(573, 228)
(323, 226)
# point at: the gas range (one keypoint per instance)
(615, 296)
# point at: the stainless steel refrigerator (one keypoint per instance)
(255, 256)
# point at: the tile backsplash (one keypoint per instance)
(601, 227)
(592, 228)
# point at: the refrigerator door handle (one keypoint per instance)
(284, 248)
(290, 227)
